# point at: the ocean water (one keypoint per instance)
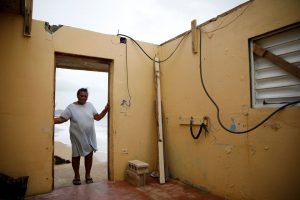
(61, 134)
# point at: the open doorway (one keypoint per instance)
(68, 79)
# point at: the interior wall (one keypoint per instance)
(27, 108)
(262, 164)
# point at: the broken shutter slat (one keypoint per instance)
(290, 68)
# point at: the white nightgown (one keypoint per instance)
(82, 130)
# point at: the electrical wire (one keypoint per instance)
(218, 109)
(221, 27)
(201, 77)
(202, 126)
(161, 61)
(129, 101)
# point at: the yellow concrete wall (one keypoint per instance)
(26, 109)
(134, 127)
(263, 164)
(260, 165)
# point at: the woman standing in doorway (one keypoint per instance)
(82, 132)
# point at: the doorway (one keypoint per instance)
(71, 73)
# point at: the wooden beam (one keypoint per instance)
(28, 17)
(81, 62)
(290, 68)
(195, 40)
(11, 6)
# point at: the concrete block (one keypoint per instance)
(138, 167)
(134, 178)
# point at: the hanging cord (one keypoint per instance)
(203, 125)
(163, 60)
(129, 101)
(217, 107)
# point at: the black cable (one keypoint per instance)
(217, 107)
(129, 101)
(202, 126)
(148, 54)
(199, 132)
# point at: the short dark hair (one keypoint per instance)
(82, 90)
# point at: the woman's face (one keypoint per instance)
(82, 97)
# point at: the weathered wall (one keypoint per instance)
(132, 128)
(262, 164)
(26, 109)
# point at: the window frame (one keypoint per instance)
(254, 103)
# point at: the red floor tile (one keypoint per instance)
(121, 190)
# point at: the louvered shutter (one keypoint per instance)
(271, 85)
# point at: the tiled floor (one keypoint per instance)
(122, 190)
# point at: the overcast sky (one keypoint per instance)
(154, 21)
(69, 81)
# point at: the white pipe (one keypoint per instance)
(160, 130)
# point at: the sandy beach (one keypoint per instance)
(63, 174)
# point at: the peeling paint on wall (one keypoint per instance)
(233, 125)
(228, 149)
(275, 126)
(252, 150)
(51, 28)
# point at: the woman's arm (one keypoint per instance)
(99, 116)
(59, 120)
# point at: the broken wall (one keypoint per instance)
(27, 76)
(262, 164)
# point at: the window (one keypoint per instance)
(271, 84)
